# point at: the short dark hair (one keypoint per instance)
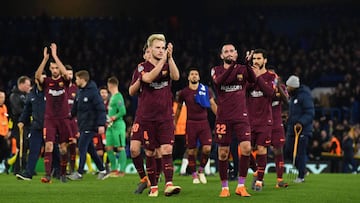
(103, 87)
(68, 67)
(261, 51)
(113, 80)
(51, 60)
(83, 74)
(192, 68)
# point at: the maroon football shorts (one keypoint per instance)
(198, 130)
(224, 130)
(278, 137)
(57, 127)
(157, 133)
(261, 135)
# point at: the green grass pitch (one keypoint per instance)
(317, 188)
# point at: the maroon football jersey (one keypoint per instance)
(231, 99)
(135, 76)
(71, 93)
(156, 96)
(260, 95)
(57, 106)
(195, 112)
(276, 108)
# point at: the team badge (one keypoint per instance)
(61, 84)
(164, 72)
(140, 68)
(240, 77)
(86, 99)
(73, 94)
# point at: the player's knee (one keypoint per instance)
(166, 149)
(49, 147)
(223, 156)
(206, 150)
(134, 151)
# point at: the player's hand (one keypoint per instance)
(53, 48)
(249, 55)
(169, 50)
(46, 54)
(101, 129)
(256, 70)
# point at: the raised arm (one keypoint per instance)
(135, 83)
(40, 70)
(284, 96)
(267, 88)
(220, 78)
(149, 77)
(58, 62)
(174, 71)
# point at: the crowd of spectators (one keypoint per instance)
(320, 45)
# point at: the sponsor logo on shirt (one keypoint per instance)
(255, 93)
(231, 88)
(159, 85)
(56, 93)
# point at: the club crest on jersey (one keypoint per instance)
(86, 99)
(73, 94)
(240, 77)
(164, 72)
(61, 84)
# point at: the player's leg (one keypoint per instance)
(121, 149)
(277, 142)
(205, 139)
(109, 147)
(165, 136)
(49, 134)
(242, 131)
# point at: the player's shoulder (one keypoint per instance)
(141, 66)
(271, 73)
(215, 69)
